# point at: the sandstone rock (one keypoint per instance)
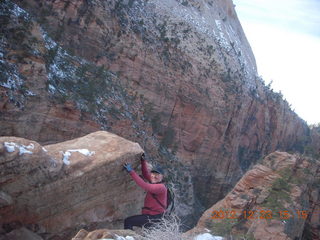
(104, 233)
(271, 231)
(64, 186)
(269, 202)
(178, 78)
(312, 232)
(314, 146)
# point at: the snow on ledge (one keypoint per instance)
(11, 147)
(207, 236)
(67, 154)
(124, 238)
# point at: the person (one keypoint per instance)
(155, 200)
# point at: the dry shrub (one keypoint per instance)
(167, 229)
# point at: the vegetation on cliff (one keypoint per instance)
(176, 76)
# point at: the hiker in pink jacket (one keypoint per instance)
(155, 202)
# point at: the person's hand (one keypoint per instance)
(143, 157)
(127, 167)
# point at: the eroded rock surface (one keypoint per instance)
(57, 189)
(179, 77)
(274, 200)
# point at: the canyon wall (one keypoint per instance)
(179, 77)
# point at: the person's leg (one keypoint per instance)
(137, 221)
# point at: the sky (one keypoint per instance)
(285, 38)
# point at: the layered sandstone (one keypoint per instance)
(55, 190)
(178, 77)
(276, 199)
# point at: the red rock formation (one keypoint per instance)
(179, 77)
(61, 187)
(271, 201)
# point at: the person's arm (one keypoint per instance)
(153, 188)
(144, 168)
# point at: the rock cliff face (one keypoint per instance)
(177, 76)
(57, 189)
(314, 147)
(276, 199)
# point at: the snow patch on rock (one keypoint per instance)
(12, 147)
(68, 153)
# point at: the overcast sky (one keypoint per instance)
(285, 38)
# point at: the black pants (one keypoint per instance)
(143, 220)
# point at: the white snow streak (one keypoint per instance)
(11, 147)
(67, 154)
(207, 236)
